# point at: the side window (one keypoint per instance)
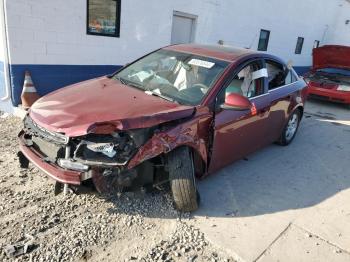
(278, 75)
(291, 77)
(294, 77)
(249, 82)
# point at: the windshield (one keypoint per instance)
(175, 76)
(336, 71)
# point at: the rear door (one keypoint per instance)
(238, 133)
(282, 88)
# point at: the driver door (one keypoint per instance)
(239, 133)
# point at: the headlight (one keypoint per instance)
(68, 164)
(344, 88)
(114, 149)
(104, 148)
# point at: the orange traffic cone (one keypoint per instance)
(29, 94)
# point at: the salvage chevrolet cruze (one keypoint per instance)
(173, 116)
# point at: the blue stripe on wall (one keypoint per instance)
(48, 78)
(301, 70)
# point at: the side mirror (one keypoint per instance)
(234, 101)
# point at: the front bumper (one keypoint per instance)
(53, 171)
(329, 95)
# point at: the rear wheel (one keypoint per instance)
(182, 179)
(290, 129)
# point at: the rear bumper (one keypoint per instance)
(53, 171)
(329, 95)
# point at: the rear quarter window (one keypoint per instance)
(279, 75)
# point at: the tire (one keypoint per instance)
(182, 179)
(290, 129)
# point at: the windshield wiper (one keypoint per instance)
(129, 83)
(149, 92)
(122, 80)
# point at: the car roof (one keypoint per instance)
(227, 53)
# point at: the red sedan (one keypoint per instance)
(329, 78)
(174, 115)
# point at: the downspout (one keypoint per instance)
(324, 33)
(6, 62)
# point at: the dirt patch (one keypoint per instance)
(89, 227)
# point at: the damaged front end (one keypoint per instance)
(112, 161)
(107, 155)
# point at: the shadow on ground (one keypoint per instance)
(313, 168)
(275, 179)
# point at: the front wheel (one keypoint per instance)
(182, 179)
(290, 129)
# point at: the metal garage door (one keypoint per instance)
(183, 28)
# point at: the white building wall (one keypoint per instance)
(339, 31)
(51, 32)
(45, 32)
(287, 20)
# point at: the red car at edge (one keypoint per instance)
(329, 78)
(172, 116)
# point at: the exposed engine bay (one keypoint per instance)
(328, 78)
(100, 157)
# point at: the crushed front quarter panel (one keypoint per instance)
(193, 133)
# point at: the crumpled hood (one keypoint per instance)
(331, 56)
(74, 109)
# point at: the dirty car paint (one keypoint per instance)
(76, 109)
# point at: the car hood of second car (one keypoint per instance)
(331, 56)
(73, 110)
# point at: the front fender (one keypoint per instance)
(164, 142)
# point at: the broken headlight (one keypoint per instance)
(69, 164)
(114, 149)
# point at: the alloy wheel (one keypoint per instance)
(292, 126)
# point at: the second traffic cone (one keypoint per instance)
(29, 94)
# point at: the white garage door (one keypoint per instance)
(183, 28)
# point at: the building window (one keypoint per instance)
(103, 17)
(263, 40)
(316, 44)
(299, 46)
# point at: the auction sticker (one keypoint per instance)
(201, 63)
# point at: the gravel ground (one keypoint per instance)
(88, 227)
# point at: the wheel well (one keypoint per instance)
(301, 110)
(199, 164)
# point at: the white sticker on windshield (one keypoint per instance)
(201, 63)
